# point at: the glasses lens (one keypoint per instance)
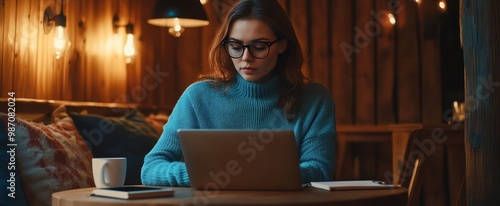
(259, 50)
(234, 49)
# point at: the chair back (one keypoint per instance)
(433, 169)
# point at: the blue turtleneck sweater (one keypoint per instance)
(246, 105)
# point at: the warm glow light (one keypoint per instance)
(418, 1)
(117, 44)
(60, 42)
(203, 1)
(442, 5)
(129, 49)
(177, 29)
(391, 18)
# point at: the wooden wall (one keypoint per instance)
(378, 73)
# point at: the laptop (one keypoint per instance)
(241, 159)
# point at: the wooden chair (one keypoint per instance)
(367, 162)
(433, 170)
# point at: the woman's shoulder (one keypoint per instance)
(200, 86)
(315, 88)
(316, 93)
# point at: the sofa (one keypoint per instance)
(50, 144)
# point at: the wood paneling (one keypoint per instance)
(364, 67)
(378, 73)
(429, 25)
(24, 58)
(8, 53)
(408, 64)
(385, 63)
(320, 47)
(342, 55)
(299, 15)
(2, 38)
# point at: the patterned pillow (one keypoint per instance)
(50, 158)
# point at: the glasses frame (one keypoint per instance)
(269, 44)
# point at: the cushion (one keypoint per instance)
(50, 158)
(128, 136)
(157, 121)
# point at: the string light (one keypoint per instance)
(391, 18)
(442, 5)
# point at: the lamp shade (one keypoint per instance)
(186, 13)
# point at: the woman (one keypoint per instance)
(257, 83)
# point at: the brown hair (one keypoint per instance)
(289, 65)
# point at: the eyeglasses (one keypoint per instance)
(258, 49)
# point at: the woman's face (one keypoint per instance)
(247, 31)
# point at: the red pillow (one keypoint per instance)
(50, 158)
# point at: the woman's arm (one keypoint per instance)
(163, 164)
(317, 127)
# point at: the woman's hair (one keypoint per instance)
(289, 65)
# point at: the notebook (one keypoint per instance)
(241, 159)
(352, 185)
(134, 192)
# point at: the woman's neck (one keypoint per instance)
(257, 89)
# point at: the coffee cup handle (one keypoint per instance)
(103, 174)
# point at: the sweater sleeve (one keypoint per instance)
(163, 165)
(317, 154)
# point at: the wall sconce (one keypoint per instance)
(178, 14)
(61, 40)
(129, 48)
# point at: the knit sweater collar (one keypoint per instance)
(256, 89)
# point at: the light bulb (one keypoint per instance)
(60, 41)
(391, 18)
(129, 49)
(177, 29)
(442, 5)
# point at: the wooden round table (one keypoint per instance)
(187, 196)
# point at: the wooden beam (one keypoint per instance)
(480, 30)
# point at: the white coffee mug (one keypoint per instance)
(109, 172)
